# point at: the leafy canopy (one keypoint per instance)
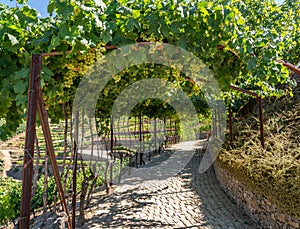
(239, 40)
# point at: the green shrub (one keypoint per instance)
(275, 170)
(10, 195)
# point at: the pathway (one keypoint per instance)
(186, 200)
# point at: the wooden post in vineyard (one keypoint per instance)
(92, 141)
(175, 131)
(75, 159)
(45, 191)
(261, 117)
(36, 103)
(135, 132)
(65, 168)
(36, 64)
(165, 132)
(65, 140)
(36, 167)
(111, 149)
(170, 126)
(50, 149)
(155, 136)
(140, 139)
(230, 125)
(130, 143)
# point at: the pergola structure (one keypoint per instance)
(36, 105)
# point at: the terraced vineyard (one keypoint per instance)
(15, 147)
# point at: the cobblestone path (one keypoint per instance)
(186, 200)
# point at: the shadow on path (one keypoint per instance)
(186, 200)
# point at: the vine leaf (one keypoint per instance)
(13, 39)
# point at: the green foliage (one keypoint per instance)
(17, 27)
(150, 107)
(250, 36)
(11, 190)
(37, 200)
(10, 195)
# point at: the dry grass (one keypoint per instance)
(275, 170)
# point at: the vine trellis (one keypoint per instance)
(36, 105)
(248, 45)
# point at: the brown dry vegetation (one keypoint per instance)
(275, 170)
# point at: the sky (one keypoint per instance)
(41, 5)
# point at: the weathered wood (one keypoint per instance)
(35, 68)
(45, 191)
(50, 150)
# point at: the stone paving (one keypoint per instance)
(187, 200)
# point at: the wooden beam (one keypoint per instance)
(289, 66)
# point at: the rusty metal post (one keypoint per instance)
(214, 123)
(74, 178)
(111, 159)
(230, 125)
(140, 137)
(135, 137)
(176, 132)
(170, 127)
(261, 118)
(155, 137)
(111, 136)
(165, 132)
(221, 115)
(261, 121)
(50, 149)
(29, 142)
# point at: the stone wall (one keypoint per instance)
(255, 205)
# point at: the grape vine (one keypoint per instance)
(240, 41)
